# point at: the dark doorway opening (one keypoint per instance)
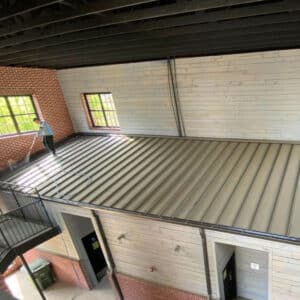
(95, 255)
(229, 279)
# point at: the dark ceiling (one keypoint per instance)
(62, 34)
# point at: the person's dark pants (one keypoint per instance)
(48, 143)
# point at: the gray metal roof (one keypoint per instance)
(249, 185)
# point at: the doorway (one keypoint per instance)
(87, 245)
(229, 279)
(95, 255)
(243, 273)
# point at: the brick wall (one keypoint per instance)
(137, 289)
(65, 269)
(46, 91)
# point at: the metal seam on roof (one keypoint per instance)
(189, 180)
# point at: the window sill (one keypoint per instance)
(105, 129)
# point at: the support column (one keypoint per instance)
(32, 277)
(172, 78)
(206, 264)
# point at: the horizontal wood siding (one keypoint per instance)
(148, 243)
(140, 91)
(252, 95)
(252, 284)
(61, 244)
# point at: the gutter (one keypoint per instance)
(197, 224)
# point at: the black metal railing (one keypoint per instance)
(23, 215)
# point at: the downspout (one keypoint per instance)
(106, 252)
(206, 263)
(172, 79)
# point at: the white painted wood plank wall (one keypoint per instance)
(249, 96)
(149, 243)
(61, 244)
(140, 91)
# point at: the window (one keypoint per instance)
(102, 111)
(17, 114)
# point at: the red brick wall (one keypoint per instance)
(137, 289)
(43, 85)
(65, 269)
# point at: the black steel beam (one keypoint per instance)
(193, 48)
(22, 7)
(206, 263)
(150, 25)
(151, 42)
(90, 37)
(33, 278)
(66, 14)
(184, 6)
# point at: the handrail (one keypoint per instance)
(21, 207)
(24, 221)
(18, 208)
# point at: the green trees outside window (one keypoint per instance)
(17, 114)
(102, 110)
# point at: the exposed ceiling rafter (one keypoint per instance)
(70, 33)
(180, 7)
(63, 15)
(22, 7)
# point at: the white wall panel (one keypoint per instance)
(249, 96)
(174, 251)
(140, 91)
(61, 244)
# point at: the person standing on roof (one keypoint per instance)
(47, 133)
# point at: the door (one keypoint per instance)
(229, 280)
(94, 253)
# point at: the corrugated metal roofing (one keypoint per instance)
(249, 185)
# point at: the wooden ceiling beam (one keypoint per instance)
(182, 7)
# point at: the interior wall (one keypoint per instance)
(283, 263)
(78, 228)
(248, 96)
(167, 254)
(61, 244)
(140, 90)
(251, 284)
(223, 255)
(43, 85)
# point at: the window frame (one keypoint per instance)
(13, 116)
(89, 111)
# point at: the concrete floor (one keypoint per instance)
(23, 288)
